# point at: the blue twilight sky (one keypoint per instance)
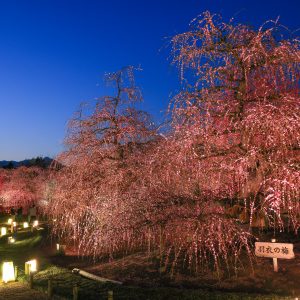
(53, 54)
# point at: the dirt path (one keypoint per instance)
(19, 291)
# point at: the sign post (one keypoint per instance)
(274, 250)
(275, 259)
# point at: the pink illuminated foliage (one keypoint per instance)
(240, 115)
(90, 197)
(229, 162)
(22, 187)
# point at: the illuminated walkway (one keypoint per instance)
(19, 291)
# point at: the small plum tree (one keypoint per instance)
(89, 196)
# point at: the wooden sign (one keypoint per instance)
(274, 250)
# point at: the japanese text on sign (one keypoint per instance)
(274, 250)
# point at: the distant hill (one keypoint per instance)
(43, 162)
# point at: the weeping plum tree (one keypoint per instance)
(89, 201)
(238, 117)
(22, 187)
(233, 154)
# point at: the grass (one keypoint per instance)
(64, 280)
(36, 245)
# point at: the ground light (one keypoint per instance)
(14, 224)
(11, 240)
(35, 223)
(9, 221)
(8, 271)
(30, 266)
(3, 231)
(25, 225)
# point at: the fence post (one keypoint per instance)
(50, 288)
(16, 273)
(30, 280)
(110, 295)
(75, 292)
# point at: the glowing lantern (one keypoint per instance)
(14, 224)
(9, 221)
(61, 249)
(3, 231)
(25, 225)
(11, 240)
(30, 266)
(35, 223)
(8, 271)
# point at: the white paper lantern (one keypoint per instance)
(3, 231)
(8, 271)
(25, 225)
(30, 266)
(11, 240)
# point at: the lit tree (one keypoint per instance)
(233, 155)
(2, 183)
(239, 116)
(23, 187)
(89, 193)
